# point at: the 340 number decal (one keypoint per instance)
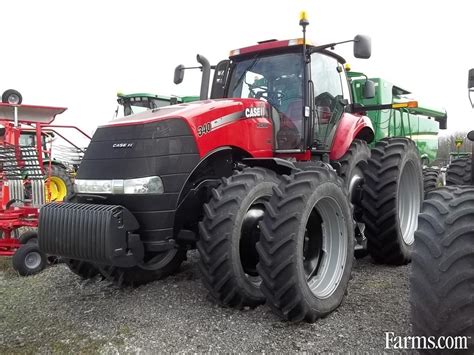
(204, 129)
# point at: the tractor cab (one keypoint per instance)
(280, 73)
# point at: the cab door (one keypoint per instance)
(331, 95)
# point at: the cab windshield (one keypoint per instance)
(277, 79)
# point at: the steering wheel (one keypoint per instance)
(325, 99)
(257, 94)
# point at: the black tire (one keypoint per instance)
(228, 234)
(8, 94)
(29, 237)
(29, 259)
(60, 172)
(352, 170)
(353, 165)
(392, 198)
(459, 172)
(32, 237)
(297, 210)
(430, 179)
(82, 268)
(442, 272)
(135, 276)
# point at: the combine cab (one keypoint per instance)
(271, 179)
(442, 278)
(131, 104)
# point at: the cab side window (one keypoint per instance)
(328, 92)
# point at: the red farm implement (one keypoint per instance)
(28, 177)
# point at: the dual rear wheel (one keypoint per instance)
(303, 233)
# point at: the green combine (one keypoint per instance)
(138, 102)
(421, 124)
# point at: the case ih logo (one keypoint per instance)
(122, 145)
(252, 112)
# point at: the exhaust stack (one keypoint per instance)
(206, 74)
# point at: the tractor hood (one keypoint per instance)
(194, 112)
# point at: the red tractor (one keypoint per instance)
(29, 177)
(271, 179)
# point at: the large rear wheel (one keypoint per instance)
(352, 170)
(307, 243)
(82, 268)
(392, 198)
(442, 276)
(229, 232)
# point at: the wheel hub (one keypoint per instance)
(250, 234)
(33, 260)
(57, 189)
(325, 248)
(409, 202)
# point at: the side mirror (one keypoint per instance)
(470, 80)
(220, 77)
(362, 47)
(179, 74)
(470, 136)
(369, 89)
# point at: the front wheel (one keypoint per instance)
(155, 268)
(307, 244)
(82, 268)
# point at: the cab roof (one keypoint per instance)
(268, 45)
(273, 44)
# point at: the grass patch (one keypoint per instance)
(6, 268)
(5, 264)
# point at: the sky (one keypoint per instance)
(79, 54)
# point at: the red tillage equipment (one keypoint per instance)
(23, 187)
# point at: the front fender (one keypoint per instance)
(350, 127)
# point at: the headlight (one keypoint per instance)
(146, 185)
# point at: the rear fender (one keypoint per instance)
(350, 127)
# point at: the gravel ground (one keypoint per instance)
(57, 312)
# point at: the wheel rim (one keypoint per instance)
(13, 99)
(325, 248)
(409, 201)
(249, 236)
(33, 260)
(57, 189)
